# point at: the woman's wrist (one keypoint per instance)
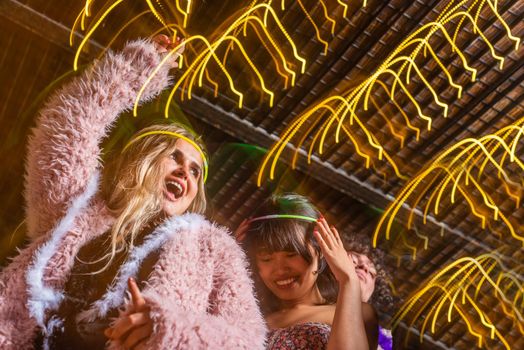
(349, 282)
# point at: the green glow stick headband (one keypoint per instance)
(174, 134)
(284, 216)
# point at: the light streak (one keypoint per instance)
(215, 50)
(464, 278)
(85, 12)
(394, 72)
(317, 31)
(462, 169)
(115, 36)
(91, 31)
(197, 68)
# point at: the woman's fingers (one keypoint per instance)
(133, 328)
(138, 335)
(241, 237)
(336, 235)
(240, 232)
(141, 346)
(127, 323)
(178, 43)
(108, 332)
(164, 45)
(161, 42)
(320, 240)
(136, 297)
(326, 233)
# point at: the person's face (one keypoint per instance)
(287, 274)
(182, 172)
(367, 274)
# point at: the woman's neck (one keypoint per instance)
(312, 298)
(310, 308)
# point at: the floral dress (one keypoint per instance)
(302, 336)
(313, 336)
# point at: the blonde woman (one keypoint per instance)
(143, 232)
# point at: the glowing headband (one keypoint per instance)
(174, 134)
(284, 216)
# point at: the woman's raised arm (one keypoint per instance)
(64, 148)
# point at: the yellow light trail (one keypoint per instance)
(455, 280)
(462, 169)
(91, 31)
(115, 36)
(199, 65)
(259, 16)
(395, 71)
(85, 12)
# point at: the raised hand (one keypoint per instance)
(333, 250)
(164, 45)
(133, 330)
(240, 232)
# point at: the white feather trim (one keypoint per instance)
(40, 297)
(114, 297)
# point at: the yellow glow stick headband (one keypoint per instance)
(174, 134)
(284, 216)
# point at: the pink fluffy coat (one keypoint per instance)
(200, 294)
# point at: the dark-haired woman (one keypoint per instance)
(307, 284)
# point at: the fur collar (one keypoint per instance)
(114, 296)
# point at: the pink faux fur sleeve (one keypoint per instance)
(193, 309)
(233, 319)
(17, 328)
(63, 151)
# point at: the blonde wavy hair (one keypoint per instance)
(131, 185)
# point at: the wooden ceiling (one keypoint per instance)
(36, 51)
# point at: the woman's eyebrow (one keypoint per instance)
(195, 164)
(179, 153)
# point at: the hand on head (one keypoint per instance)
(240, 232)
(333, 250)
(133, 330)
(164, 45)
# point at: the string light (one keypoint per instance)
(399, 67)
(182, 6)
(259, 16)
(457, 285)
(461, 170)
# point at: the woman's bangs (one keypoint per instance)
(279, 235)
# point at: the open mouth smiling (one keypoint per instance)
(286, 283)
(174, 190)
